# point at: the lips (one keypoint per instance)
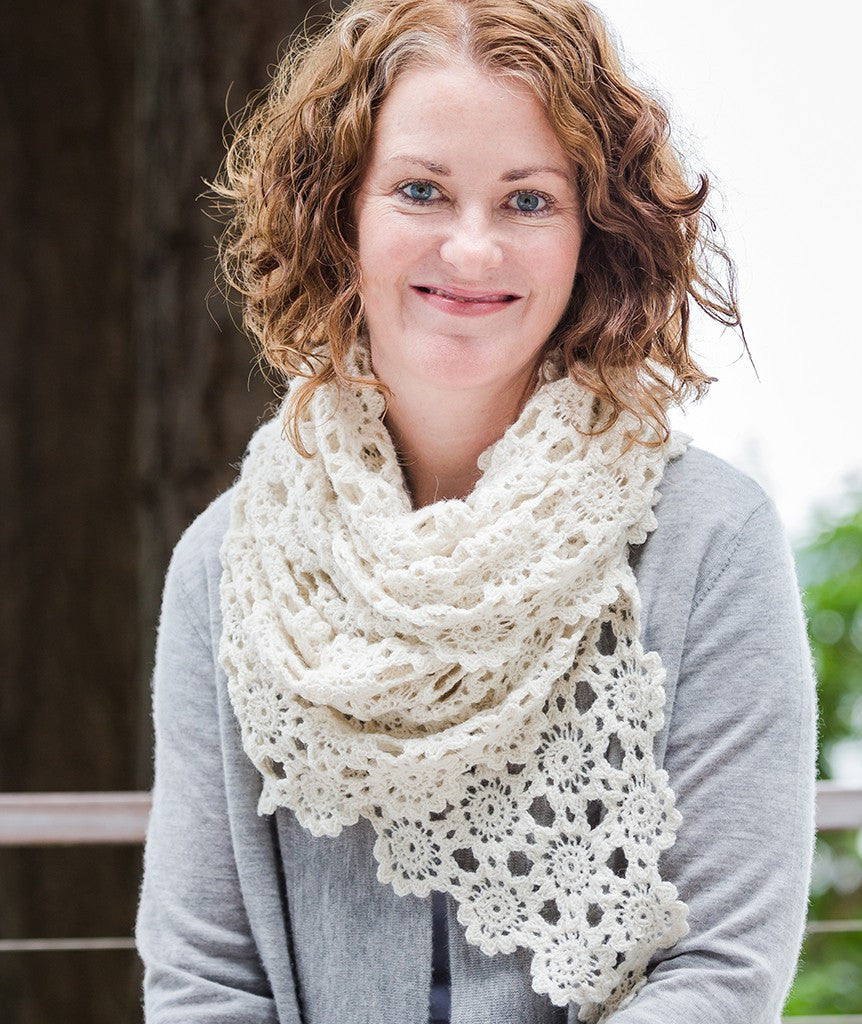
(462, 295)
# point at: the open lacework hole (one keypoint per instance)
(618, 862)
(585, 696)
(518, 863)
(441, 815)
(594, 914)
(607, 642)
(614, 751)
(550, 912)
(465, 860)
(372, 457)
(276, 767)
(541, 812)
(596, 812)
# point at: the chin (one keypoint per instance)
(452, 362)
(462, 364)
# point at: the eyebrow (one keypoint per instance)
(516, 174)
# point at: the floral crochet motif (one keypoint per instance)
(467, 676)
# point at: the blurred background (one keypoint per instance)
(129, 395)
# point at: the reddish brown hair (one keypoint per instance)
(297, 159)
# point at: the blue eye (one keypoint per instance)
(421, 191)
(531, 206)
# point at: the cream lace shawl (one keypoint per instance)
(468, 676)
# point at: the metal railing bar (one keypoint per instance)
(52, 945)
(839, 806)
(819, 927)
(48, 819)
(849, 1018)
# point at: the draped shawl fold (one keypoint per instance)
(468, 675)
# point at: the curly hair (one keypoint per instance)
(297, 158)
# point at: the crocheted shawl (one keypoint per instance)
(468, 676)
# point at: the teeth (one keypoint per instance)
(446, 295)
(457, 298)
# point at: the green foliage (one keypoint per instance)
(829, 980)
(830, 573)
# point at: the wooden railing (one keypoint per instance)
(51, 819)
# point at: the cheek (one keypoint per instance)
(553, 261)
(388, 248)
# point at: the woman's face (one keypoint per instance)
(468, 192)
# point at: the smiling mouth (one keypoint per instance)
(500, 297)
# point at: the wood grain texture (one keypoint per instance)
(125, 403)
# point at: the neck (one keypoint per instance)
(439, 435)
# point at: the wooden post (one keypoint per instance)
(126, 403)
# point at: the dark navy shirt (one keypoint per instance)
(440, 978)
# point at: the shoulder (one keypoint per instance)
(195, 567)
(202, 538)
(702, 484)
(707, 509)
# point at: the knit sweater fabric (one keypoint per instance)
(252, 919)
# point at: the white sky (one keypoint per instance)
(768, 100)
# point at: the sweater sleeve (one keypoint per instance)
(192, 932)
(741, 761)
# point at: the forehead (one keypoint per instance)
(434, 111)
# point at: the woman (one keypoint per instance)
(457, 713)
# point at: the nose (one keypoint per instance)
(471, 246)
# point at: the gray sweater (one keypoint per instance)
(249, 919)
